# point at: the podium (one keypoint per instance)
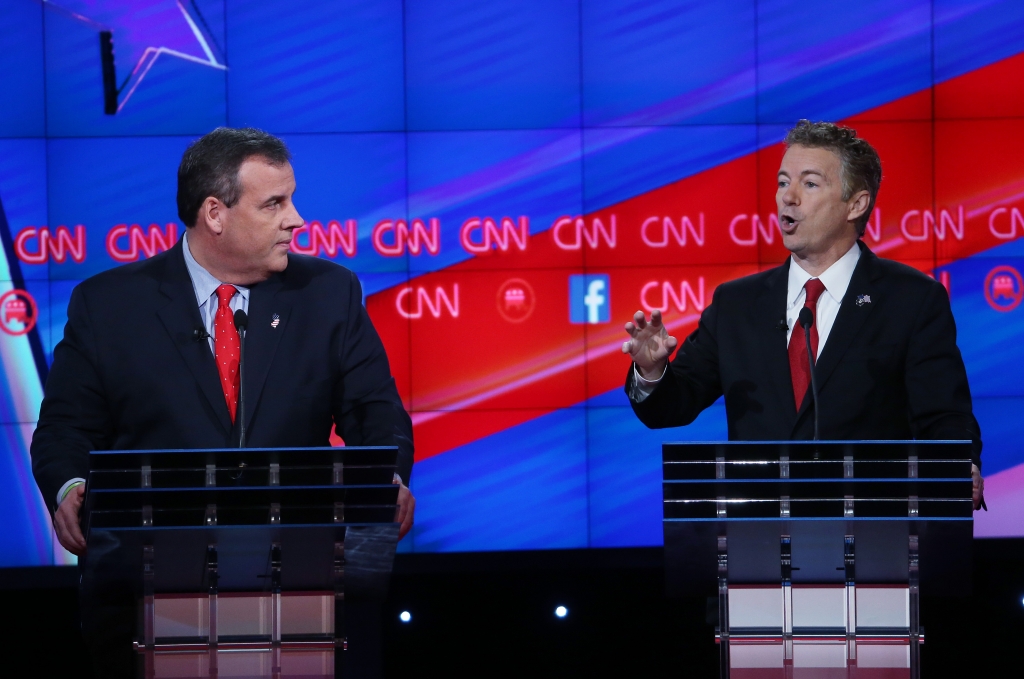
(818, 550)
(241, 560)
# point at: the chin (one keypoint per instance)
(279, 262)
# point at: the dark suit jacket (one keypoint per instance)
(129, 374)
(889, 370)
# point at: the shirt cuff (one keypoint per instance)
(66, 488)
(642, 388)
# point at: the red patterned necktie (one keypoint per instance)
(227, 347)
(799, 368)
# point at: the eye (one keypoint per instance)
(783, 183)
(810, 185)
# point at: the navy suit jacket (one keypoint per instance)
(889, 370)
(130, 375)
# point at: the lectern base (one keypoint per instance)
(241, 660)
(819, 658)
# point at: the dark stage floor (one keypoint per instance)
(492, 615)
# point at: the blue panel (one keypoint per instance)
(457, 175)
(620, 163)
(990, 339)
(25, 532)
(169, 66)
(351, 176)
(316, 66)
(135, 183)
(23, 193)
(969, 35)
(21, 62)
(668, 62)
(501, 64)
(999, 419)
(60, 297)
(524, 488)
(826, 63)
(625, 472)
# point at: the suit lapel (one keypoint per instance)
(267, 300)
(180, 317)
(770, 314)
(851, 317)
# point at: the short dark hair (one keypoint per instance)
(210, 166)
(860, 166)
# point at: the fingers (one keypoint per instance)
(640, 320)
(656, 318)
(405, 512)
(978, 487)
(66, 525)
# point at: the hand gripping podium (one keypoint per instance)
(818, 550)
(248, 551)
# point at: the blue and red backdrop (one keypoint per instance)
(511, 180)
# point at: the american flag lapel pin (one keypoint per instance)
(277, 319)
(861, 300)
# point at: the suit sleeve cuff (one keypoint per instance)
(66, 488)
(642, 388)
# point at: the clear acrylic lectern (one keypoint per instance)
(818, 550)
(247, 551)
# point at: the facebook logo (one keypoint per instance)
(589, 298)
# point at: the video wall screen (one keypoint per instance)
(511, 180)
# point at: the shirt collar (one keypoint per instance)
(203, 282)
(836, 278)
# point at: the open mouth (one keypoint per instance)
(787, 222)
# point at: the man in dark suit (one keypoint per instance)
(150, 355)
(887, 364)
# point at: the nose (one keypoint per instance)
(292, 220)
(789, 195)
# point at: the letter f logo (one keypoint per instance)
(588, 299)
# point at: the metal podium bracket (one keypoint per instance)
(340, 640)
(723, 606)
(916, 636)
(850, 565)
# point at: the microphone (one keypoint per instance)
(242, 324)
(199, 334)
(782, 325)
(807, 320)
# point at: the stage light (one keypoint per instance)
(405, 616)
(561, 611)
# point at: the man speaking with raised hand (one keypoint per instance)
(887, 365)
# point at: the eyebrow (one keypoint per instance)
(805, 173)
(273, 199)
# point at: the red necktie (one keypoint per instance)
(799, 368)
(227, 347)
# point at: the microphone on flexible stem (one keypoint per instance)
(807, 320)
(242, 324)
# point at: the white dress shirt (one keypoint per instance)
(836, 279)
(205, 286)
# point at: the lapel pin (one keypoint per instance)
(277, 319)
(861, 300)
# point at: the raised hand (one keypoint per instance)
(649, 345)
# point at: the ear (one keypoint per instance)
(211, 216)
(858, 205)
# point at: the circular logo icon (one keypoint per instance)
(18, 312)
(516, 300)
(1004, 288)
